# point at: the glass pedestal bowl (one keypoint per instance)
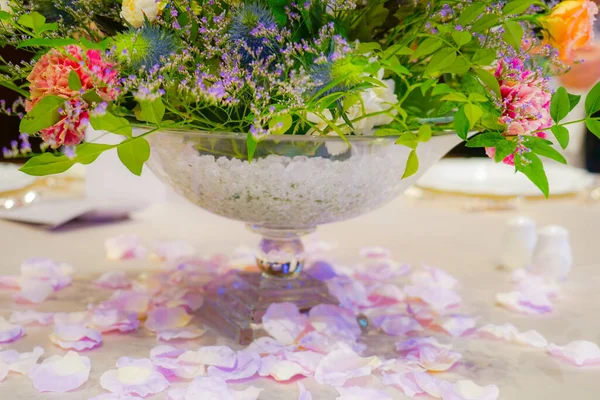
(292, 185)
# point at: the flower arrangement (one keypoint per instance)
(405, 68)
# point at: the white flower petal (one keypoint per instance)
(579, 352)
(61, 374)
(30, 317)
(21, 362)
(360, 393)
(134, 377)
(9, 332)
(284, 322)
(343, 364)
(124, 247)
(304, 394)
(510, 333)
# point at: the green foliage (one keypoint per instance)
(412, 165)
(43, 115)
(111, 123)
(134, 153)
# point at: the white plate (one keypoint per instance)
(13, 179)
(483, 177)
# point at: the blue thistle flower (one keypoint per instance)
(252, 27)
(145, 47)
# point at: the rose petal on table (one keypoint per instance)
(385, 294)
(527, 303)
(71, 318)
(61, 374)
(457, 325)
(177, 297)
(309, 360)
(304, 394)
(59, 275)
(33, 291)
(187, 333)
(510, 333)
(134, 376)
(111, 320)
(3, 370)
(399, 325)
(75, 337)
(113, 280)
(536, 283)
(468, 390)
(128, 301)
(428, 383)
(375, 252)
(321, 270)
(194, 363)
(350, 293)
(428, 275)
(325, 344)
(124, 247)
(213, 388)
(579, 352)
(115, 396)
(31, 317)
(422, 312)
(280, 369)
(165, 357)
(11, 282)
(437, 359)
(21, 362)
(333, 320)
(172, 251)
(418, 343)
(284, 322)
(343, 364)
(437, 297)
(246, 366)
(164, 318)
(360, 393)
(9, 332)
(404, 382)
(267, 345)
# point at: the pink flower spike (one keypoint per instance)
(399, 325)
(525, 303)
(61, 374)
(172, 251)
(580, 352)
(438, 298)
(33, 291)
(9, 332)
(304, 394)
(404, 382)
(283, 322)
(124, 247)
(21, 362)
(113, 280)
(468, 390)
(180, 334)
(343, 364)
(75, 337)
(246, 366)
(59, 275)
(360, 393)
(510, 333)
(134, 376)
(31, 317)
(110, 320)
(458, 325)
(167, 318)
(281, 369)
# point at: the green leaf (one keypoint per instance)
(593, 125)
(251, 144)
(280, 124)
(517, 6)
(425, 133)
(457, 96)
(440, 60)
(544, 148)
(409, 140)
(412, 165)
(441, 88)
(461, 123)
(43, 115)
(395, 66)
(484, 57)
(533, 168)
(151, 111)
(92, 97)
(4, 16)
(327, 101)
(473, 113)
(592, 101)
(133, 153)
(560, 105)
(486, 22)
(459, 66)
(489, 80)
(87, 153)
(488, 139)
(74, 81)
(425, 86)
(561, 134)
(102, 45)
(111, 123)
(33, 20)
(478, 98)
(368, 47)
(573, 101)
(427, 47)
(47, 164)
(504, 149)
(470, 13)
(46, 42)
(395, 50)
(461, 37)
(513, 34)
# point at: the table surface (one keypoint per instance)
(463, 243)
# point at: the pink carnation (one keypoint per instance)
(70, 130)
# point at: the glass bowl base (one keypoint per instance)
(235, 302)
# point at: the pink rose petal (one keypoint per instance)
(381, 270)
(510, 333)
(164, 318)
(128, 301)
(280, 369)
(283, 322)
(61, 374)
(210, 388)
(375, 252)
(34, 291)
(266, 345)
(172, 251)
(418, 343)
(304, 394)
(194, 363)
(404, 382)
(3, 370)
(334, 321)
(31, 317)
(75, 337)
(325, 344)
(351, 293)
(11, 282)
(21, 362)
(437, 359)
(579, 352)
(399, 325)
(526, 303)
(124, 247)
(113, 280)
(246, 366)
(433, 276)
(59, 275)
(468, 390)
(343, 364)
(437, 297)
(360, 393)
(177, 297)
(9, 332)
(165, 357)
(457, 325)
(428, 383)
(115, 396)
(71, 318)
(309, 360)
(180, 334)
(385, 294)
(134, 377)
(112, 320)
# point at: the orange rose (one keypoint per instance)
(570, 27)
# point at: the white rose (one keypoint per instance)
(134, 10)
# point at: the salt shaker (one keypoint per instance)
(517, 243)
(552, 257)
